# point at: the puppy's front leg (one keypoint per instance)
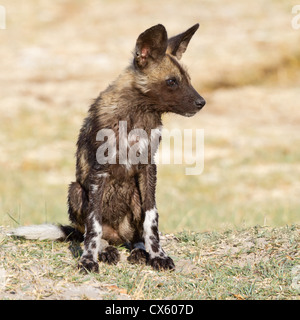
(93, 224)
(158, 257)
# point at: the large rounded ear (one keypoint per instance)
(151, 46)
(178, 44)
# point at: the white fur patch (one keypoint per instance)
(97, 227)
(94, 188)
(149, 218)
(39, 232)
(95, 241)
(149, 222)
(102, 175)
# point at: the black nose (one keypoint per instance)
(200, 103)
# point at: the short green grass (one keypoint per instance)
(233, 199)
(243, 264)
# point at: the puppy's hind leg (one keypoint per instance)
(93, 224)
(78, 205)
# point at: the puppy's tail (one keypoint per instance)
(47, 232)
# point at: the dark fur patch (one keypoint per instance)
(72, 234)
(138, 256)
(87, 264)
(162, 263)
(110, 255)
(155, 248)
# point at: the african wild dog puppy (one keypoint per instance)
(116, 201)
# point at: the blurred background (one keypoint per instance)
(56, 56)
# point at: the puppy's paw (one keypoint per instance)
(164, 263)
(138, 256)
(87, 264)
(110, 255)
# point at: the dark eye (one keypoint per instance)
(171, 82)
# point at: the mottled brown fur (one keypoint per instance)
(112, 200)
